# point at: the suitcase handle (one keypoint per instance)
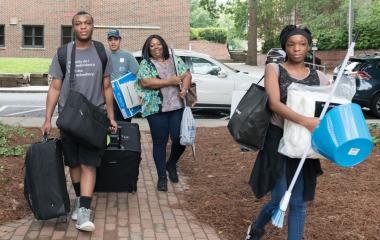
(45, 137)
(119, 137)
(119, 132)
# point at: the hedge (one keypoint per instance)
(194, 35)
(218, 35)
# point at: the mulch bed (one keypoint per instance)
(346, 206)
(12, 200)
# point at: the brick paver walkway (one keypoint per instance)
(147, 215)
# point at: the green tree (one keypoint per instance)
(328, 21)
(238, 12)
(212, 7)
(199, 17)
(273, 15)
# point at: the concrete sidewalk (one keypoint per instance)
(145, 215)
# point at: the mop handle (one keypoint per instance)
(176, 71)
(175, 63)
(340, 73)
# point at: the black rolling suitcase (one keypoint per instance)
(45, 182)
(119, 169)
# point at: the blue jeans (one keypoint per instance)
(297, 206)
(161, 126)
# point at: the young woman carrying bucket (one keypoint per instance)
(295, 41)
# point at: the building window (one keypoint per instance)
(67, 34)
(2, 35)
(33, 36)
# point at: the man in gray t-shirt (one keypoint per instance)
(95, 85)
(122, 63)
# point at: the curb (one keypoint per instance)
(29, 89)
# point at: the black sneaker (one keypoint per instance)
(162, 184)
(172, 172)
(254, 233)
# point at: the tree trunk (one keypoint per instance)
(252, 33)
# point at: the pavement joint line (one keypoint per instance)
(29, 111)
(3, 108)
(24, 106)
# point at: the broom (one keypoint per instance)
(279, 214)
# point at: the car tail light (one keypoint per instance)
(363, 75)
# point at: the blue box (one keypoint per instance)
(125, 95)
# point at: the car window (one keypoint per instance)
(186, 61)
(372, 69)
(276, 52)
(203, 66)
(229, 67)
(358, 67)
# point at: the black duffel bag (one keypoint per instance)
(249, 123)
(82, 119)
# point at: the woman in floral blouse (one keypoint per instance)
(161, 92)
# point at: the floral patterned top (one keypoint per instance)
(151, 99)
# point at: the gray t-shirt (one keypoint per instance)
(170, 95)
(122, 63)
(88, 78)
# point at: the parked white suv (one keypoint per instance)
(215, 80)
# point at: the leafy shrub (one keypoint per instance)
(375, 127)
(271, 43)
(194, 35)
(237, 44)
(218, 35)
(6, 132)
(369, 34)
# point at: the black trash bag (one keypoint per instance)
(249, 123)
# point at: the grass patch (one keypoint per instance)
(6, 134)
(24, 65)
(374, 127)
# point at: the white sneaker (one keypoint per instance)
(83, 220)
(74, 215)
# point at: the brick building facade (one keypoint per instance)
(37, 28)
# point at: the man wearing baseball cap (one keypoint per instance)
(122, 63)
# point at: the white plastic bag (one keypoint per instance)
(188, 128)
(302, 99)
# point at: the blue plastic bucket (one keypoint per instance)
(343, 136)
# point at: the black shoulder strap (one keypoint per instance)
(62, 59)
(102, 53)
(72, 66)
(62, 56)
